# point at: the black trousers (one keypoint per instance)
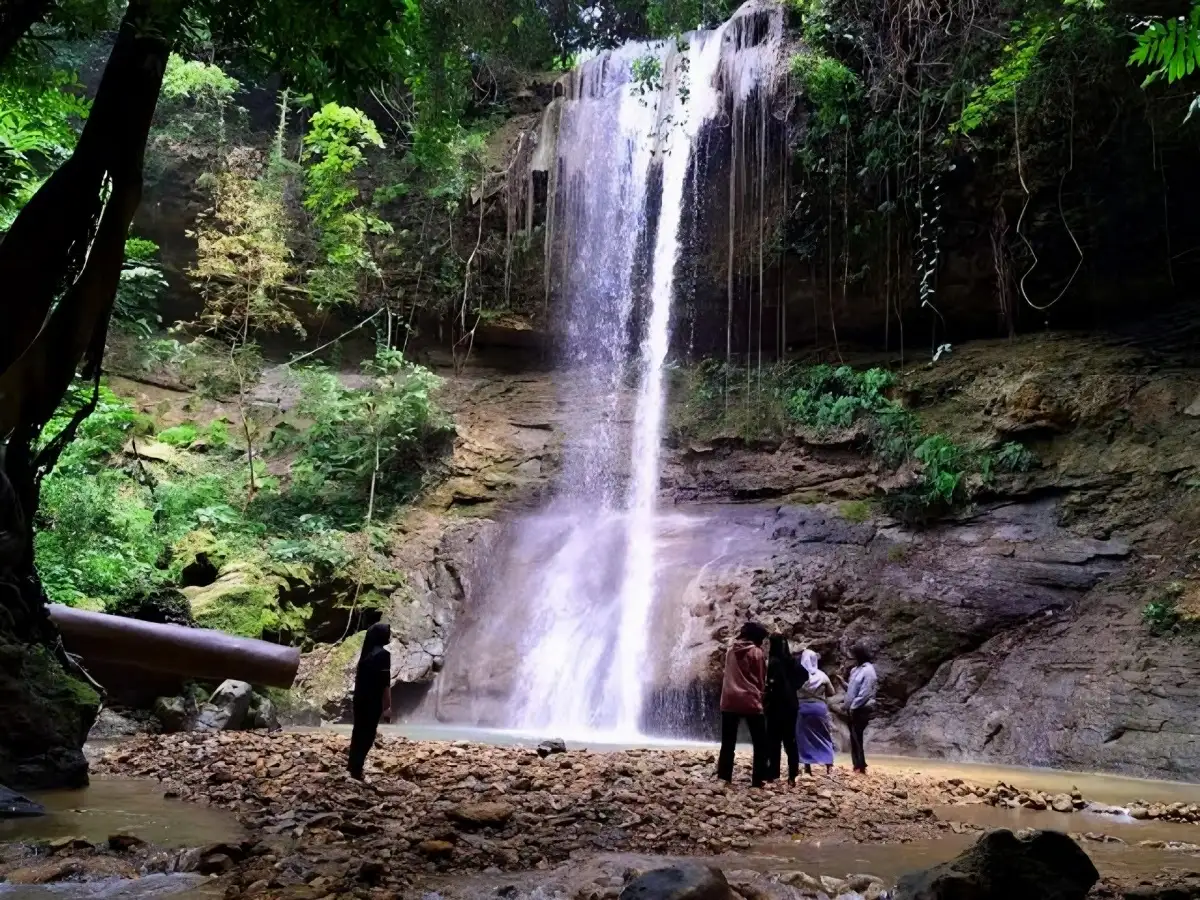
(859, 719)
(758, 735)
(362, 738)
(781, 733)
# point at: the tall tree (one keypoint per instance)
(60, 265)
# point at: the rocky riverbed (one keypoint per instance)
(470, 820)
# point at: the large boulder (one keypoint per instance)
(1035, 865)
(46, 717)
(14, 806)
(261, 714)
(685, 881)
(227, 708)
(172, 714)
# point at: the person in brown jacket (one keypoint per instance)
(742, 690)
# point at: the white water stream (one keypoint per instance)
(574, 595)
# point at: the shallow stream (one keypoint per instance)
(110, 805)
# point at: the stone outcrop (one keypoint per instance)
(14, 806)
(47, 714)
(1041, 865)
(684, 881)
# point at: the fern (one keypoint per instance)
(1171, 48)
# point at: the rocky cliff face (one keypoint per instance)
(1012, 633)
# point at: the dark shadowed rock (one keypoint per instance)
(172, 714)
(1038, 865)
(14, 806)
(685, 881)
(262, 714)
(554, 745)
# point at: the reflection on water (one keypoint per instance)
(111, 805)
(1117, 790)
(178, 887)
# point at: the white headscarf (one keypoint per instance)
(809, 660)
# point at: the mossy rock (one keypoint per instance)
(47, 716)
(197, 557)
(165, 606)
(326, 677)
(246, 600)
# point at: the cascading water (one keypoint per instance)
(571, 608)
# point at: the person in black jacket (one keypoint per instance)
(372, 694)
(780, 705)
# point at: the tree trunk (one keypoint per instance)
(65, 251)
(16, 18)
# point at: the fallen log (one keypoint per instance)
(187, 652)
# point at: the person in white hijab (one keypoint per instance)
(814, 734)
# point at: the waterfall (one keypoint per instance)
(566, 623)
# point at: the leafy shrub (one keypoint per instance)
(140, 289)
(943, 478)
(388, 429)
(181, 435)
(333, 152)
(1014, 457)
(201, 82)
(1161, 616)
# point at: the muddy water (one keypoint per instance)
(178, 887)
(111, 805)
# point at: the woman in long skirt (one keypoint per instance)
(814, 735)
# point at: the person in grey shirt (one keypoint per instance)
(860, 702)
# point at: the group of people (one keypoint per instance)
(785, 706)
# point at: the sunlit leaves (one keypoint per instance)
(1170, 47)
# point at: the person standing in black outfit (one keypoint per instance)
(372, 694)
(780, 705)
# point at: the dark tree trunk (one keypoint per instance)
(64, 251)
(16, 18)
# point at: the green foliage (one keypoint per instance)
(114, 528)
(181, 435)
(202, 83)
(830, 85)
(670, 17)
(943, 478)
(856, 511)
(996, 97)
(1014, 457)
(140, 289)
(40, 112)
(1161, 616)
(384, 432)
(333, 152)
(140, 250)
(826, 398)
(839, 403)
(647, 74)
(1170, 47)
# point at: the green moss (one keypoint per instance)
(245, 600)
(897, 553)
(329, 682)
(42, 670)
(856, 511)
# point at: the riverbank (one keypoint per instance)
(465, 819)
